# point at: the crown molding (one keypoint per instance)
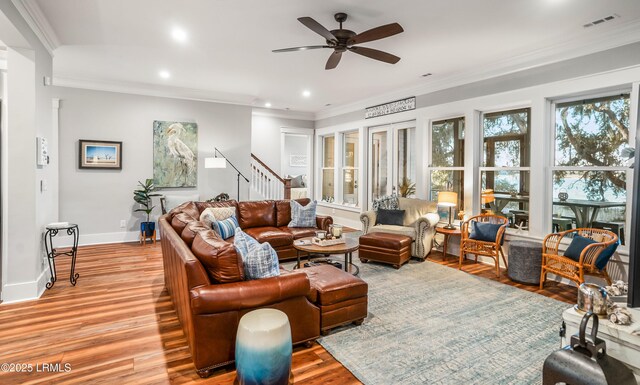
(283, 114)
(154, 90)
(628, 33)
(32, 14)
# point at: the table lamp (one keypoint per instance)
(448, 199)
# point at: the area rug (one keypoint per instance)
(431, 324)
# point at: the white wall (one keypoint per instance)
(294, 145)
(99, 199)
(266, 137)
(27, 113)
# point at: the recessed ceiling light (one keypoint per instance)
(179, 34)
(267, 104)
(306, 93)
(164, 74)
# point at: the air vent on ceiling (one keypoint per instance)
(600, 21)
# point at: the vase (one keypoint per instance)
(147, 228)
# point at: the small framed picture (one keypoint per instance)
(100, 154)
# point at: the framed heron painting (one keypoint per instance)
(175, 154)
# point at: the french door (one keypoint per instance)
(392, 166)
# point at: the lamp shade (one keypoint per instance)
(487, 196)
(447, 198)
(215, 163)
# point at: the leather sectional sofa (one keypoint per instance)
(266, 221)
(205, 278)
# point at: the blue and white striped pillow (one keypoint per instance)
(261, 262)
(226, 228)
(303, 216)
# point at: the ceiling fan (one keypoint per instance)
(342, 40)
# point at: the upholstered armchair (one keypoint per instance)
(587, 254)
(483, 235)
(419, 223)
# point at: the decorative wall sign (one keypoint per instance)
(175, 149)
(100, 154)
(391, 108)
(297, 160)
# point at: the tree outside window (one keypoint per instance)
(447, 158)
(590, 164)
(505, 171)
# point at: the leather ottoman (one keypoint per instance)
(341, 297)
(388, 248)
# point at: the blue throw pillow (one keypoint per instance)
(484, 231)
(605, 255)
(226, 228)
(389, 217)
(243, 242)
(576, 246)
(303, 216)
(261, 262)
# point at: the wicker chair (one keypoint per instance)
(479, 247)
(566, 267)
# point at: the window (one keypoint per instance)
(589, 176)
(447, 158)
(328, 168)
(504, 173)
(350, 155)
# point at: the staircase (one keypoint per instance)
(265, 183)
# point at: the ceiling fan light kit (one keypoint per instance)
(342, 40)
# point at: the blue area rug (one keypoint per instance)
(431, 324)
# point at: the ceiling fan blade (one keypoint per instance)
(317, 28)
(375, 54)
(333, 61)
(304, 48)
(376, 33)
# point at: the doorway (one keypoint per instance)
(296, 161)
(392, 168)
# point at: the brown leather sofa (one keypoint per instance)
(205, 278)
(266, 221)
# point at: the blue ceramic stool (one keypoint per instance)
(263, 348)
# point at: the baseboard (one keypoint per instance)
(357, 225)
(100, 238)
(25, 291)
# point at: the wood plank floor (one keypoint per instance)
(118, 326)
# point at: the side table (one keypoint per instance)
(447, 233)
(52, 231)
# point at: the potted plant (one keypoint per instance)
(407, 188)
(143, 196)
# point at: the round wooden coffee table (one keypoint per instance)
(304, 245)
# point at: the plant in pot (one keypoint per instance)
(143, 196)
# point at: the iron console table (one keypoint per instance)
(52, 231)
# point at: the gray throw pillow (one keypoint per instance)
(389, 217)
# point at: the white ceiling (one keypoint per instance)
(123, 44)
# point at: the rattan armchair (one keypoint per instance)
(479, 247)
(568, 268)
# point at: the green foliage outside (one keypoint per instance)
(593, 133)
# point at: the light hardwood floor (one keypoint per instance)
(118, 326)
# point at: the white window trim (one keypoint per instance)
(633, 102)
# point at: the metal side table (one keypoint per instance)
(52, 231)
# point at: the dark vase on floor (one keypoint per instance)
(147, 228)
